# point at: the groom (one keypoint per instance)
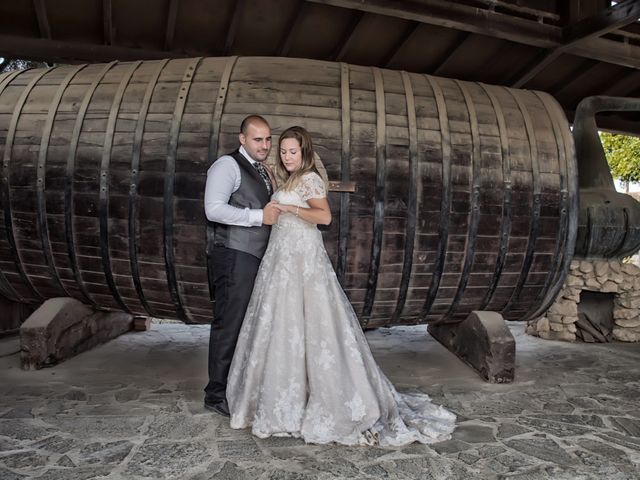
(236, 199)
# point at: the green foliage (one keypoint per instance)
(623, 156)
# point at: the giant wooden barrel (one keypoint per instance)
(466, 193)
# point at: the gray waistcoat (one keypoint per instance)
(251, 194)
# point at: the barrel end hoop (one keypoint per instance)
(484, 342)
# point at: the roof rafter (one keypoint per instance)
(172, 15)
(285, 43)
(233, 26)
(43, 21)
(447, 57)
(346, 39)
(410, 30)
(585, 71)
(609, 19)
(626, 85)
(107, 17)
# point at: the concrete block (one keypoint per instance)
(63, 327)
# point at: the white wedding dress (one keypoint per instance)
(302, 366)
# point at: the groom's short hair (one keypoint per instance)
(249, 120)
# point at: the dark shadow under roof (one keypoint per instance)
(571, 49)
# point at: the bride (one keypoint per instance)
(302, 365)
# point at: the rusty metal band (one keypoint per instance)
(378, 218)
(474, 220)
(4, 180)
(345, 173)
(412, 197)
(68, 191)
(565, 240)
(6, 289)
(134, 201)
(214, 141)
(445, 201)
(41, 178)
(505, 225)
(103, 202)
(169, 179)
(535, 220)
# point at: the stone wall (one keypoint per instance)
(621, 279)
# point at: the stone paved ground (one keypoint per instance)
(133, 409)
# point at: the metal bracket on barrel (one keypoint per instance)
(483, 341)
(348, 187)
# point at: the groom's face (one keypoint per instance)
(257, 141)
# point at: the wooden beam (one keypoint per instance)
(611, 18)
(462, 17)
(72, 52)
(172, 15)
(291, 29)
(409, 31)
(233, 26)
(625, 86)
(605, 50)
(43, 22)
(347, 37)
(444, 63)
(535, 67)
(107, 19)
(540, 15)
(493, 24)
(608, 20)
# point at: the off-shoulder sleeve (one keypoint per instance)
(311, 186)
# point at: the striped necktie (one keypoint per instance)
(265, 176)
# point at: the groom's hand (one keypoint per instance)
(270, 213)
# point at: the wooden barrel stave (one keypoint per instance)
(489, 155)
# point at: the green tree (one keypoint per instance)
(623, 156)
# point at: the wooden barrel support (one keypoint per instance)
(466, 195)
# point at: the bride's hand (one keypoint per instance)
(282, 208)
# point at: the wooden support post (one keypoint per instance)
(142, 324)
(63, 327)
(484, 342)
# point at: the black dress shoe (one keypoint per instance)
(220, 408)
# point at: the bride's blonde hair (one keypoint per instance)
(308, 159)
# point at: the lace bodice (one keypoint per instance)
(310, 186)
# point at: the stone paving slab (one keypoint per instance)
(132, 409)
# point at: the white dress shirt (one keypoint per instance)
(223, 179)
